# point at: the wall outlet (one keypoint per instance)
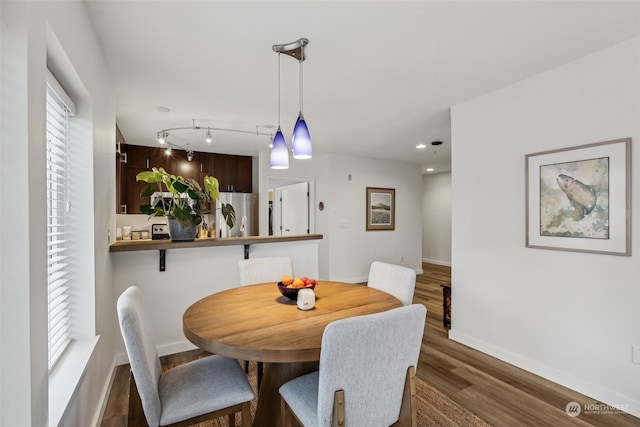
(635, 354)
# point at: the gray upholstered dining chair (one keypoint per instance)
(393, 279)
(262, 270)
(366, 376)
(196, 391)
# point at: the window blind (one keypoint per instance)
(58, 206)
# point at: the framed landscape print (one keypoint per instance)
(579, 198)
(381, 210)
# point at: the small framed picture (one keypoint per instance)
(381, 208)
(579, 198)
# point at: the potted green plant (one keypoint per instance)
(187, 203)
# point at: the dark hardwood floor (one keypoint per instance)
(497, 392)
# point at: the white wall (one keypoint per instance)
(436, 218)
(27, 31)
(347, 250)
(352, 249)
(569, 317)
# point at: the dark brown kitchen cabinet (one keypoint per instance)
(121, 183)
(133, 190)
(234, 173)
(188, 169)
(137, 159)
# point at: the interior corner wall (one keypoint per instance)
(436, 218)
(352, 248)
(568, 317)
(23, 354)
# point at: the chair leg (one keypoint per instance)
(246, 414)
(135, 416)
(408, 409)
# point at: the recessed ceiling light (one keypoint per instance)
(421, 146)
(430, 169)
(163, 109)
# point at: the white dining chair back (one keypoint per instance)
(366, 359)
(393, 279)
(263, 270)
(203, 389)
(266, 269)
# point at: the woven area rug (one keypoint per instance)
(434, 408)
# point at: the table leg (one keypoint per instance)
(275, 374)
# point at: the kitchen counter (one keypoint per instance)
(145, 245)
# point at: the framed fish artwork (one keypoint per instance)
(579, 198)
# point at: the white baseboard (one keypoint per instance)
(437, 262)
(623, 403)
(105, 394)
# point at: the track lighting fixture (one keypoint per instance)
(163, 135)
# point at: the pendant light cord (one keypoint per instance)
(301, 74)
(278, 90)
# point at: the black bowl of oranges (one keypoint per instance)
(289, 286)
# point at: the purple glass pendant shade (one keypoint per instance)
(279, 152)
(301, 141)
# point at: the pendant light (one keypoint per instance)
(279, 153)
(301, 140)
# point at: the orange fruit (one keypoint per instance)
(287, 280)
(298, 283)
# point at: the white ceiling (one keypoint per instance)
(379, 77)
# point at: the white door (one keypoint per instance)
(294, 209)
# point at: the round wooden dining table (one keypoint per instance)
(258, 323)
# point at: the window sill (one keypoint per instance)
(67, 375)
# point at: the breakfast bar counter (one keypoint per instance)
(145, 245)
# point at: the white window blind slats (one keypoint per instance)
(56, 263)
(56, 286)
(57, 169)
(56, 276)
(56, 250)
(59, 264)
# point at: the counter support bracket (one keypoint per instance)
(163, 259)
(246, 251)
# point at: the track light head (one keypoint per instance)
(162, 137)
(208, 136)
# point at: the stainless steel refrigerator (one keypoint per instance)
(246, 208)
